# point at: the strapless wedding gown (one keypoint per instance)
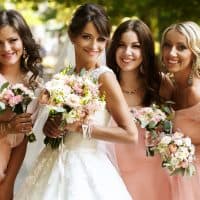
(79, 170)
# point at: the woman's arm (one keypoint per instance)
(126, 130)
(188, 121)
(5, 117)
(15, 162)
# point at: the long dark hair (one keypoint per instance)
(150, 71)
(32, 60)
(89, 12)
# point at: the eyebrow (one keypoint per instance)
(131, 42)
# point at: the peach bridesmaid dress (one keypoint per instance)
(12, 140)
(188, 188)
(143, 176)
(6, 144)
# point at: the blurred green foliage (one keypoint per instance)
(157, 14)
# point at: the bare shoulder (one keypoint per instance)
(194, 94)
(107, 78)
(166, 87)
(115, 100)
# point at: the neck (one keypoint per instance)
(130, 80)
(181, 78)
(11, 73)
(88, 66)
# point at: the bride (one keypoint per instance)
(80, 168)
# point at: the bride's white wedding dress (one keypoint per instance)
(79, 170)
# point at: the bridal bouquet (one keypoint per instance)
(177, 153)
(156, 120)
(17, 97)
(74, 97)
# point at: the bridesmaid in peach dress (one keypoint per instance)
(18, 56)
(180, 49)
(131, 56)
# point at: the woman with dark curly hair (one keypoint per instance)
(19, 63)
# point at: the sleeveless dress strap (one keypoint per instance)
(96, 73)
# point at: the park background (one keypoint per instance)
(49, 19)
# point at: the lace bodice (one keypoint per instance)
(75, 140)
(97, 72)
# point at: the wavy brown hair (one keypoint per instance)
(32, 60)
(150, 70)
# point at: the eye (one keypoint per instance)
(101, 39)
(181, 47)
(136, 46)
(13, 40)
(121, 45)
(86, 37)
(166, 45)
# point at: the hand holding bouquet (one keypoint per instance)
(74, 97)
(16, 97)
(177, 153)
(155, 119)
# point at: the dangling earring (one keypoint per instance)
(24, 55)
(25, 58)
(190, 78)
(141, 69)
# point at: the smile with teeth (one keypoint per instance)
(126, 60)
(92, 52)
(173, 61)
(7, 55)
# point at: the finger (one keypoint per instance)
(24, 115)
(51, 133)
(26, 130)
(56, 120)
(23, 120)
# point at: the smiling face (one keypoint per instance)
(89, 45)
(176, 54)
(11, 46)
(128, 53)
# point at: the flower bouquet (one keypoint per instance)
(16, 97)
(74, 97)
(155, 119)
(177, 153)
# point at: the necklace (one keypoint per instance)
(130, 92)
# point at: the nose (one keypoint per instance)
(94, 44)
(173, 51)
(5, 46)
(128, 50)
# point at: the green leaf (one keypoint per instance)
(31, 137)
(83, 71)
(151, 125)
(5, 85)
(150, 151)
(67, 70)
(18, 109)
(167, 126)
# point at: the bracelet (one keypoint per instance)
(87, 131)
(3, 128)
